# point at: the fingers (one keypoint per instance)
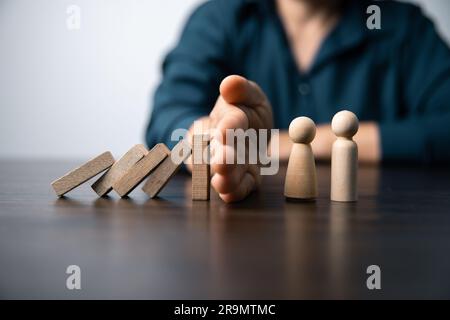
(229, 181)
(246, 186)
(246, 95)
(227, 117)
(238, 184)
(234, 118)
(241, 105)
(219, 154)
(237, 90)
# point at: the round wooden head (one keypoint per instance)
(302, 130)
(345, 124)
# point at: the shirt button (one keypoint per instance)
(304, 89)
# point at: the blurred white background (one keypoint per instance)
(74, 94)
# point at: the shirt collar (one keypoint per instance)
(350, 32)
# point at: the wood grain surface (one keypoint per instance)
(261, 248)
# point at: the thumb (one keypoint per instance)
(238, 90)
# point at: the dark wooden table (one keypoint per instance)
(263, 247)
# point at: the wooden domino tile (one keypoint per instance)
(201, 178)
(104, 184)
(83, 173)
(161, 175)
(140, 170)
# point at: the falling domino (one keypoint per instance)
(162, 174)
(140, 170)
(200, 170)
(83, 173)
(104, 184)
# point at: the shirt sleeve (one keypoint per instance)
(192, 72)
(423, 134)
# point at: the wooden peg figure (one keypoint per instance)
(344, 157)
(301, 181)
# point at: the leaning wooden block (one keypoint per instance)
(83, 173)
(138, 172)
(162, 174)
(104, 184)
(201, 178)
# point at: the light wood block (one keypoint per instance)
(344, 158)
(104, 184)
(139, 171)
(162, 174)
(201, 177)
(83, 173)
(301, 180)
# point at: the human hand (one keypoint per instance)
(241, 105)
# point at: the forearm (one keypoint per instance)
(369, 143)
(367, 138)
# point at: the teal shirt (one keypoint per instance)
(398, 76)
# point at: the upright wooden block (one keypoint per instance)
(162, 174)
(83, 173)
(104, 184)
(140, 170)
(201, 178)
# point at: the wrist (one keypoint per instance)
(323, 142)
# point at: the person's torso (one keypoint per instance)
(355, 69)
